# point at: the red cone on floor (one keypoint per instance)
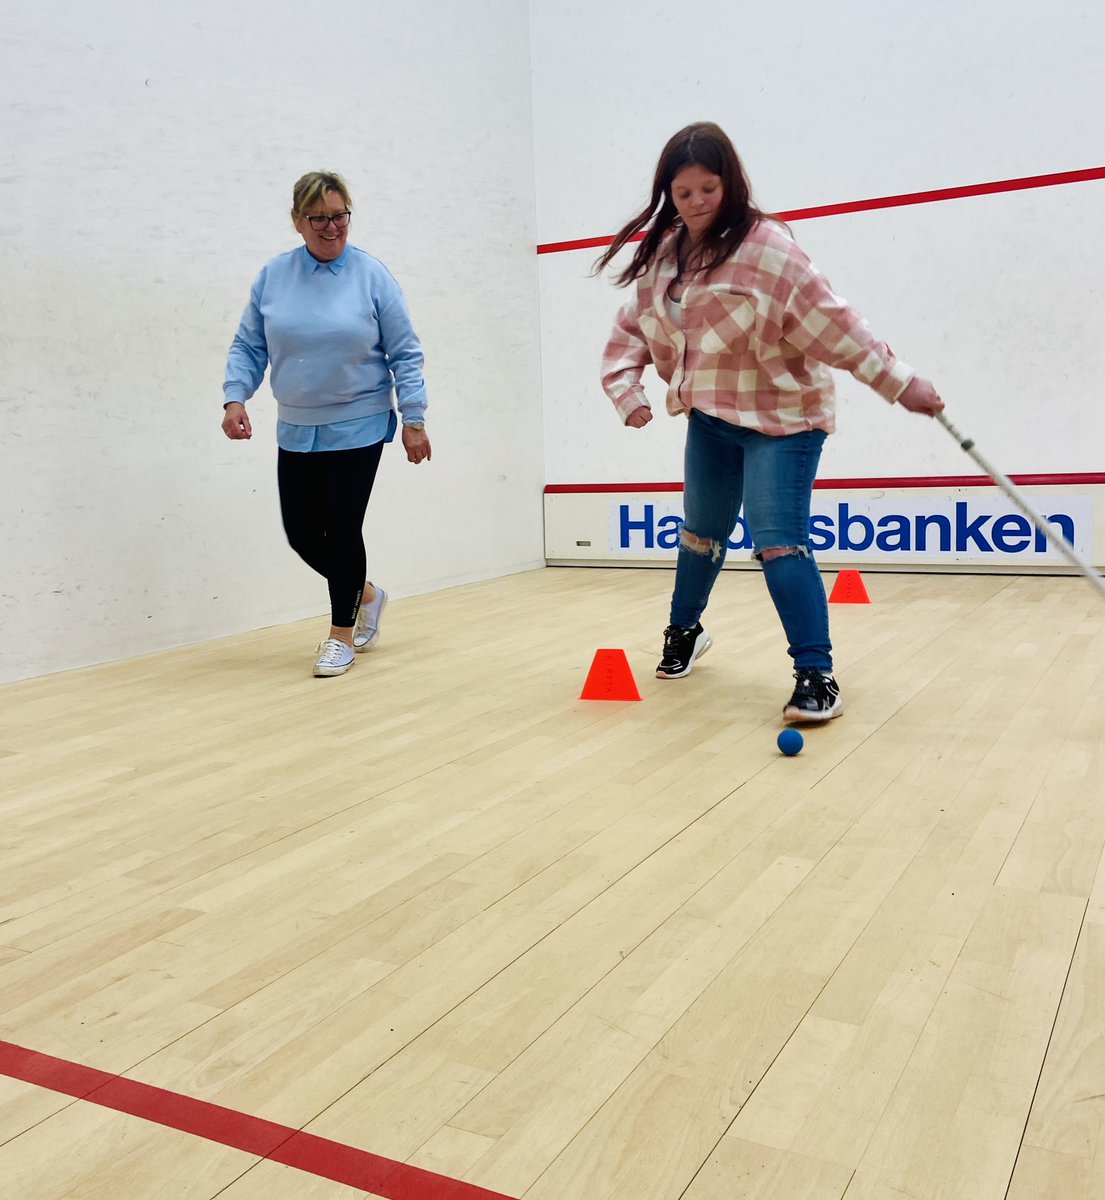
(610, 678)
(849, 589)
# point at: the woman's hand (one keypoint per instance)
(639, 417)
(920, 397)
(236, 424)
(416, 444)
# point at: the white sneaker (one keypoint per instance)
(335, 658)
(367, 629)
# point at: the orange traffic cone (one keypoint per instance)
(610, 678)
(849, 589)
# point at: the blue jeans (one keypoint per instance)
(725, 466)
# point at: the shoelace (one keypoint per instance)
(810, 683)
(333, 652)
(674, 639)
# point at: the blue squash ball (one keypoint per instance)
(790, 741)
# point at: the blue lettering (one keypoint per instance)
(822, 536)
(667, 532)
(640, 528)
(743, 542)
(965, 532)
(941, 523)
(895, 533)
(627, 526)
(1066, 528)
(1011, 533)
(845, 522)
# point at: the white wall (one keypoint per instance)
(147, 162)
(145, 171)
(997, 299)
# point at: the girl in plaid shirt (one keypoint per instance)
(743, 329)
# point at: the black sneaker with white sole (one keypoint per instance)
(816, 697)
(681, 648)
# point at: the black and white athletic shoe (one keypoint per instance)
(816, 697)
(681, 648)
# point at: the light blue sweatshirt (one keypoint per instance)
(338, 336)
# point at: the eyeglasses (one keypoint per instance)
(338, 220)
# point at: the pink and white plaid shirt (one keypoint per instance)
(758, 335)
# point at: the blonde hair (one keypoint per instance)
(313, 186)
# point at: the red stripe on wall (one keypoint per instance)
(1056, 179)
(919, 481)
(278, 1143)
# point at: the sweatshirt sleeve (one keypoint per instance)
(402, 350)
(249, 352)
(624, 360)
(820, 324)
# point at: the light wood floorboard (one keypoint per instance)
(445, 911)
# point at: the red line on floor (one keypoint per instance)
(1056, 179)
(278, 1143)
(891, 484)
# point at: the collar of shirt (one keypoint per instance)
(335, 267)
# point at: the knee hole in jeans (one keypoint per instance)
(694, 544)
(772, 552)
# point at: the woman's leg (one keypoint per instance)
(779, 475)
(713, 465)
(349, 476)
(713, 471)
(301, 483)
(323, 498)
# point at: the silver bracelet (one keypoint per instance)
(414, 424)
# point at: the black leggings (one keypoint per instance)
(323, 498)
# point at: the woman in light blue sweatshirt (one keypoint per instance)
(333, 323)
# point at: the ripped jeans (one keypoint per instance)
(725, 465)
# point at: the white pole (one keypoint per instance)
(1021, 501)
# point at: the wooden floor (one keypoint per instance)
(442, 910)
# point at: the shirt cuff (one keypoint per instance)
(632, 400)
(895, 381)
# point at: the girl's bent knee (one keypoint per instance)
(694, 544)
(773, 552)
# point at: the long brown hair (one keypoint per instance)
(705, 145)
